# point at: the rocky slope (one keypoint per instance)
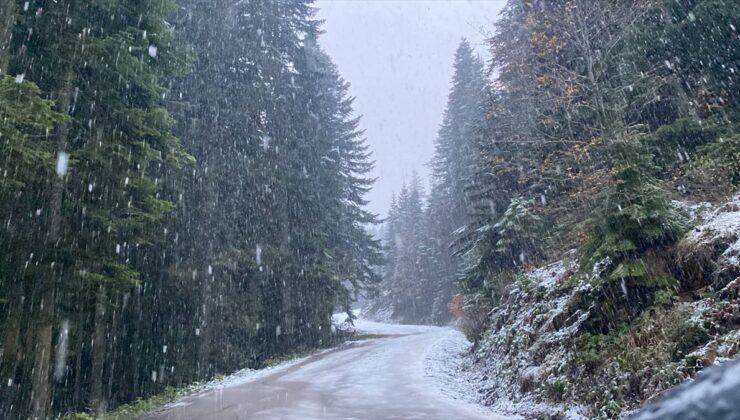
(547, 352)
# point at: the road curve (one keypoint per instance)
(381, 378)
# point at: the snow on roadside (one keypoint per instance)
(525, 349)
(341, 317)
(238, 378)
(365, 326)
(448, 367)
(379, 328)
(444, 368)
(245, 376)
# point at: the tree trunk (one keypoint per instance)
(135, 367)
(47, 283)
(10, 355)
(97, 402)
(204, 330)
(80, 347)
(115, 317)
(41, 395)
(7, 23)
(683, 103)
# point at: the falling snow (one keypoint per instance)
(368, 209)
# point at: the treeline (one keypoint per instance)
(597, 116)
(420, 272)
(602, 113)
(181, 195)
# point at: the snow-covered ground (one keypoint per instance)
(720, 225)
(400, 376)
(443, 366)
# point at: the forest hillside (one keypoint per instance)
(582, 224)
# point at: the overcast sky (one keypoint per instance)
(397, 55)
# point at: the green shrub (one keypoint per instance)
(610, 410)
(722, 159)
(687, 335)
(633, 219)
(663, 297)
(556, 390)
(593, 349)
(634, 214)
(77, 416)
(474, 320)
(676, 142)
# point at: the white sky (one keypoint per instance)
(397, 55)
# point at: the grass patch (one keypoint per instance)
(297, 354)
(141, 406)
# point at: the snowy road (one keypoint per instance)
(381, 378)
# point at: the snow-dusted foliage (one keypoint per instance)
(526, 344)
(540, 356)
(710, 253)
(183, 193)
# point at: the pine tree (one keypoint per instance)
(104, 74)
(634, 215)
(406, 289)
(453, 167)
(142, 257)
(7, 24)
(28, 165)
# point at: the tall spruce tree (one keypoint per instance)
(404, 292)
(99, 206)
(453, 167)
(268, 234)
